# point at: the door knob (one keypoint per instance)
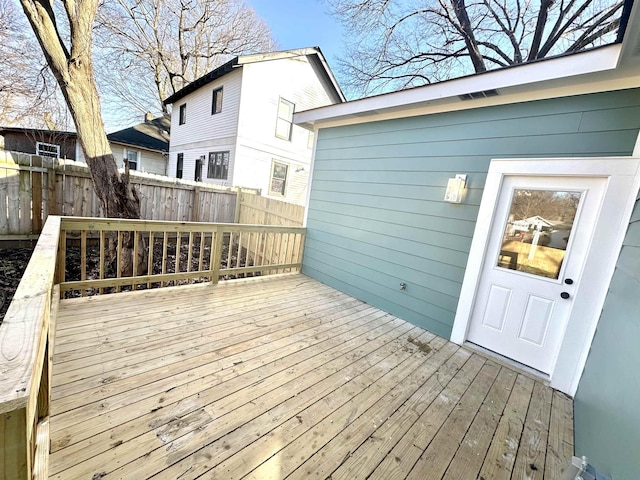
(565, 295)
(568, 281)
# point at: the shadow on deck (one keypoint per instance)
(284, 377)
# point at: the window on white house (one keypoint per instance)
(216, 102)
(183, 114)
(179, 165)
(218, 165)
(284, 122)
(47, 150)
(132, 159)
(278, 184)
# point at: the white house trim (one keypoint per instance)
(624, 180)
(562, 70)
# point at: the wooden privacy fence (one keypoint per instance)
(33, 187)
(202, 252)
(258, 210)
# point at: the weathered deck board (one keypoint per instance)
(285, 378)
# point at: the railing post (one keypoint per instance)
(217, 255)
(15, 461)
(62, 257)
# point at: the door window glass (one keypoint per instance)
(538, 230)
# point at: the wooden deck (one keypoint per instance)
(284, 377)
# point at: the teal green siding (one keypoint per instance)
(376, 214)
(607, 405)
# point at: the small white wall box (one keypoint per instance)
(579, 469)
(455, 188)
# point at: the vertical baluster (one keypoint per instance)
(119, 259)
(134, 260)
(150, 258)
(239, 254)
(165, 240)
(83, 260)
(102, 247)
(201, 257)
(229, 249)
(246, 255)
(189, 256)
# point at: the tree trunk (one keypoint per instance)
(73, 70)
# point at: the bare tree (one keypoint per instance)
(403, 43)
(71, 64)
(28, 93)
(158, 46)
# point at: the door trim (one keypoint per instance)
(623, 182)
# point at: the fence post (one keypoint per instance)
(236, 214)
(195, 211)
(36, 196)
(51, 186)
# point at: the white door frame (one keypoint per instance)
(623, 182)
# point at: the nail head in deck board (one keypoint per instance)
(501, 457)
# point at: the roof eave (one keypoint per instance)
(535, 75)
(141, 147)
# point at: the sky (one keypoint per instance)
(302, 23)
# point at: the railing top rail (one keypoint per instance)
(25, 319)
(115, 224)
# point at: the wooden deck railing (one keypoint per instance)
(173, 253)
(72, 256)
(25, 364)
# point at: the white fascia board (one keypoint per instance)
(529, 77)
(264, 57)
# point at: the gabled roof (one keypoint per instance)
(151, 135)
(314, 54)
(611, 67)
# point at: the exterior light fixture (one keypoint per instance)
(455, 188)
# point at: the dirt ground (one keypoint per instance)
(13, 262)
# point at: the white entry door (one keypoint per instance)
(538, 244)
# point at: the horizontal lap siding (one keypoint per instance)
(376, 215)
(606, 405)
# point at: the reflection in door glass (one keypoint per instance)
(538, 231)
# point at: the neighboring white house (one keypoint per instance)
(234, 126)
(145, 145)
